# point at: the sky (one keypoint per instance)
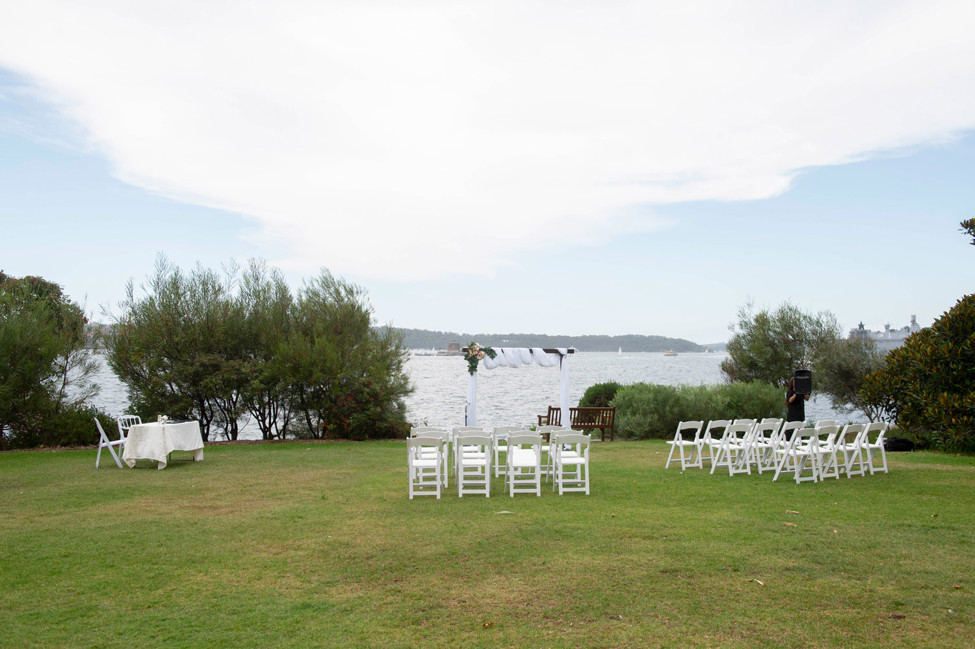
(505, 167)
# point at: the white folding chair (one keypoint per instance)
(425, 463)
(125, 422)
(846, 448)
(855, 462)
(688, 436)
(731, 447)
(826, 422)
(499, 439)
(443, 436)
(877, 445)
(111, 445)
(800, 455)
(474, 455)
(524, 472)
(826, 446)
(764, 439)
(711, 437)
(571, 462)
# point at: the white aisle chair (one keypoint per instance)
(856, 463)
(828, 465)
(764, 440)
(111, 445)
(877, 445)
(546, 431)
(464, 430)
(443, 435)
(800, 455)
(846, 448)
(524, 471)
(125, 422)
(571, 458)
(730, 449)
(500, 443)
(425, 464)
(688, 436)
(474, 457)
(711, 436)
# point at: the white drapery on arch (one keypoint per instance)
(516, 357)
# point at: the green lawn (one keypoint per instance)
(309, 544)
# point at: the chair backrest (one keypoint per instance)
(579, 442)
(768, 429)
(687, 431)
(545, 430)
(715, 428)
(827, 422)
(437, 433)
(849, 434)
(424, 429)
(772, 420)
(523, 440)
(479, 440)
(125, 422)
(738, 431)
(744, 421)
(878, 427)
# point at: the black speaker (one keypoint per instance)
(803, 381)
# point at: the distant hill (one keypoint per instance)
(425, 339)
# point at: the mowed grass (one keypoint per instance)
(317, 545)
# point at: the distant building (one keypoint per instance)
(889, 338)
(453, 349)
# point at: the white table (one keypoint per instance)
(156, 441)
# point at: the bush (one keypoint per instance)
(72, 426)
(599, 395)
(647, 411)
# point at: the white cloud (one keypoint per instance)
(380, 138)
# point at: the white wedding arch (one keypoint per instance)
(517, 357)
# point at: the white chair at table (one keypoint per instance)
(425, 464)
(125, 422)
(524, 471)
(688, 436)
(571, 462)
(474, 457)
(111, 445)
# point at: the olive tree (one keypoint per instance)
(769, 346)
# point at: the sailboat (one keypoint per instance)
(621, 351)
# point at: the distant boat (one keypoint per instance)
(670, 352)
(621, 351)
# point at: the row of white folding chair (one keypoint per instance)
(827, 451)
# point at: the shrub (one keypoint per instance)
(647, 411)
(599, 395)
(72, 426)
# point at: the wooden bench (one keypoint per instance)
(602, 419)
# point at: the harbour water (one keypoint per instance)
(508, 396)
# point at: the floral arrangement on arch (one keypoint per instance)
(474, 354)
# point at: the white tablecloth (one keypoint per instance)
(156, 441)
